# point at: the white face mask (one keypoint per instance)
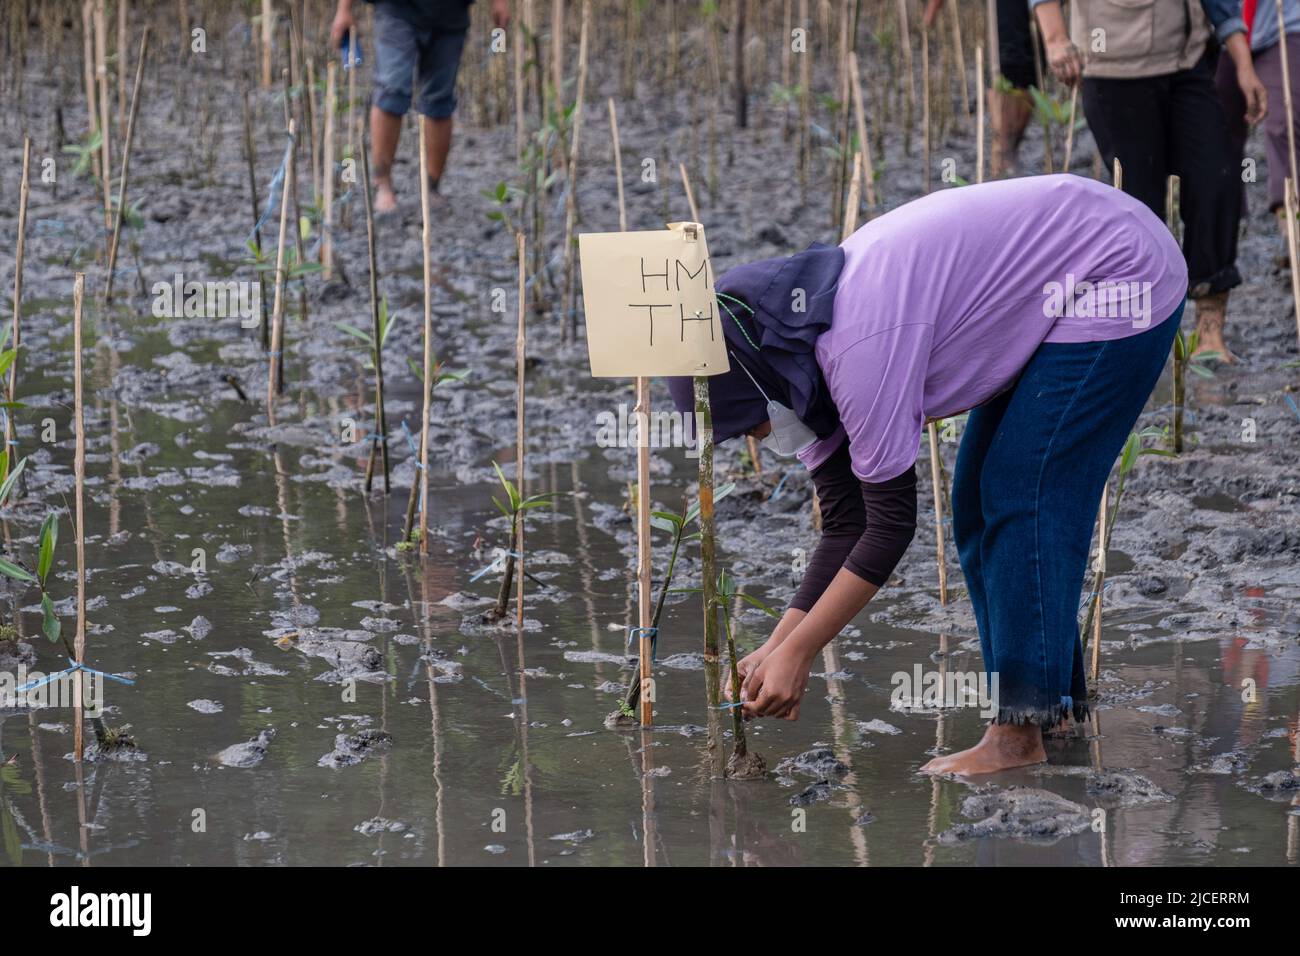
(789, 435)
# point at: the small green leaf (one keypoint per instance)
(50, 622)
(9, 569)
(49, 537)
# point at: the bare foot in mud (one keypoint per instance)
(1004, 746)
(385, 198)
(1211, 340)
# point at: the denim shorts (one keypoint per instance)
(408, 59)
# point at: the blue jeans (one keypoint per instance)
(404, 56)
(1026, 489)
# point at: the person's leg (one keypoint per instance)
(439, 63)
(396, 54)
(967, 511)
(1010, 108)
(1209, 199)
(1067, 420)
(1128, 121)
(1268, 64)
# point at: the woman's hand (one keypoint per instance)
(750, 662)
(1252, 90)
(343, 24)
(1065, 60)
(775, 687)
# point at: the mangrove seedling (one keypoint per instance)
(676, 525)
(513, 508)
(743, 763)
(374, 340)
(1186, 359)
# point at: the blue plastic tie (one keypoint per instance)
(73, 666)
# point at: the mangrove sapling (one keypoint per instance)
(1128, 458)
(1187, 359)
(676, 525)
(513, 508)
(380, 438)
(743, 763)
(9, 357)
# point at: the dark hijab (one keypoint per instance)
(764, 332)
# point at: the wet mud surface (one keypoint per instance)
(323, 698)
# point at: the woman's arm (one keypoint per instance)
(774, 686)
(1063, 57)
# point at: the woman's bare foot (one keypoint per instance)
(1211, 313)
(1004, 746)
(385, 198)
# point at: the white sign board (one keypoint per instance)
(649, 303)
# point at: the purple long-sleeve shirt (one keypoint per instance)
(941, 304)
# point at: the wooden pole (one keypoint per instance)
(905, 44)
(121, 67)
(268, 38)
(645, 645)
(521, 357)
(426, 237)
(250, 154)
(1118, 175)
(860, 119)
(618, 165)
(379, 440)
(1292, 242)
(79, 471)
(88, 75)
(570, 330)
(981, 95)
(1069, 132)
(925, 110)
(327, 174)
(851, 206)
(961, 57)
(1286, 93)
(277, 311)
(938, 512)
(126, 161)
(11, 431)
(1100, 580)
(101, 75)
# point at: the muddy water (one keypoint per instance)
(467, 744)
(495, 751)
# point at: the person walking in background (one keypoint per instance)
(1262, 32)
(417, 52)
(1150, 100)
(1009, 107)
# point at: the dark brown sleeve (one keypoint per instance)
(866, 526)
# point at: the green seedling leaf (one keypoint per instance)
(7, 488)
(353, 331)
(50, 622)
(11, 570)
(49, 537)
(755, 602)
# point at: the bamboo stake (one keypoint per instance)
(268, 37)
(1292, 242)
(961, 57)
(1069, 133)
(327, 175)
(313, 128)
(11, 430)
(380, 438)
(1099, 580)
(251, 156)
(860, 120)
(1118, 175)
(938, 512)
(79, 471)
(126, 160)
(645, 645)
(925, 109)
(805, 100)
(618, 165)
(905, 43)
(708, 540)
(520, 365)
(851, 207)
(520, 90)
(979, 113)
(277, 311)
(571, 196)
(88, 74)
(426, 235)
(121, 67)
(101, 75)
(1286, 93)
